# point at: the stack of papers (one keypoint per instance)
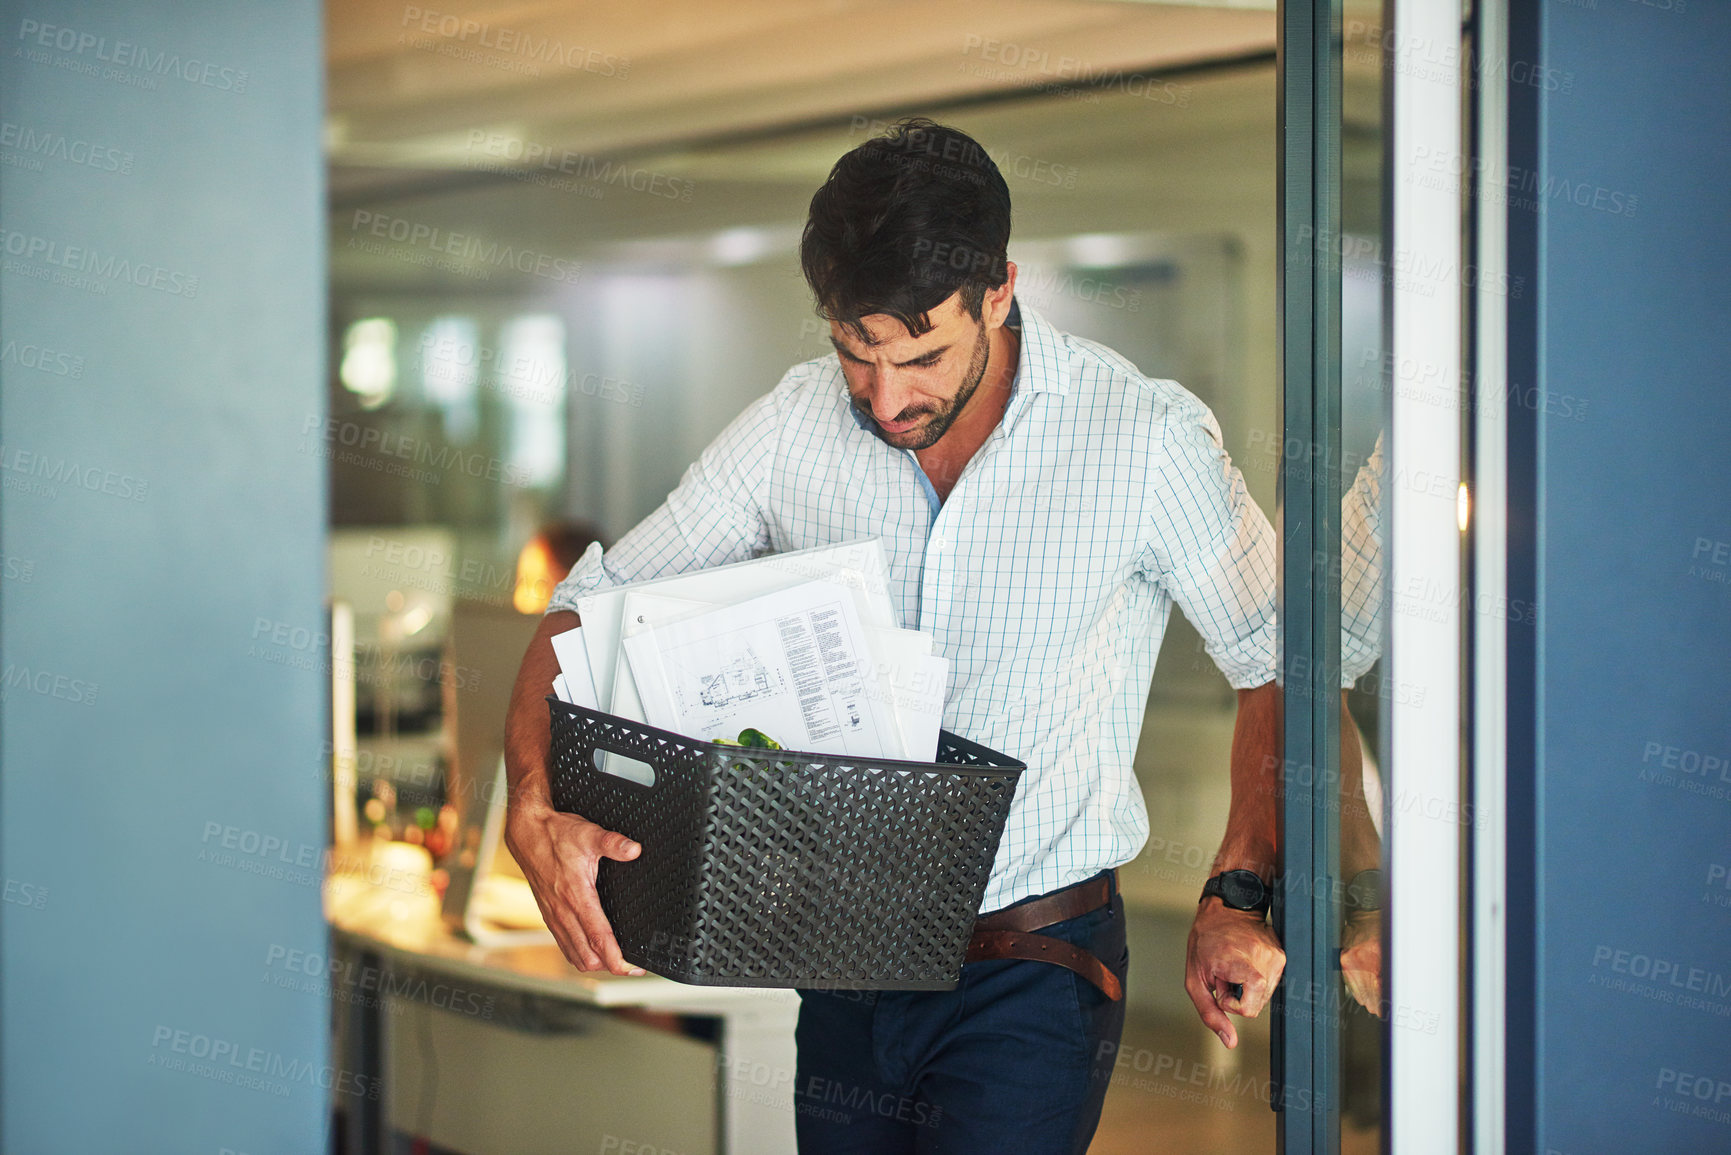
(803, 647)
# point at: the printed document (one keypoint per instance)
(795, 664)
(859, 564)
(648, 699)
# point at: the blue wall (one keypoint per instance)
(1621, 702)
(157, 506)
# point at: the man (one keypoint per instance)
(1042, 506)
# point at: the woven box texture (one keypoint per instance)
(772, 868)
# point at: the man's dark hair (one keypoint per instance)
(904, 221)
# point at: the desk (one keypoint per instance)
(387, 939)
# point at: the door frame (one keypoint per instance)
(1306, 1044)
(1427, 280)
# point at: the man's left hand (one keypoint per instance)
(1230, 948)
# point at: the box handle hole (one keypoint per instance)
(620, 766)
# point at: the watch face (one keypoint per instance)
(1364, 892)
(1241, 889)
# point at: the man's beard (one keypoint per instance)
(942, 417)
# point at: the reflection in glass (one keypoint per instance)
(1361, 645)
(1361, 572)
(1365, 398)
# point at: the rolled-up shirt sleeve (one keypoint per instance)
(1211, 547)
(1361, 582)
(714, 516)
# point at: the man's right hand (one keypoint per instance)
(559, 854)
(1230, 947)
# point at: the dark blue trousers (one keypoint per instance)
(1013, 1060)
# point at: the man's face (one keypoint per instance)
(914, 388)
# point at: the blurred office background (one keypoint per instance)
(558, 271)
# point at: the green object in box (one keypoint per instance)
(752, 738)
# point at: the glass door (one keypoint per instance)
(1371, 511)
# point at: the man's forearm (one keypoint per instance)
(528, 733)
(1253, 822)
(1252, 840)
(1232, 960)
(1360, 848)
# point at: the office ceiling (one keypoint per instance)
(411, 86)
(437, 112)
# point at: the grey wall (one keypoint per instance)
(163, 238)
(1620, 993)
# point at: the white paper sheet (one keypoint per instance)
(561, 690)
(794, 664)
(920, 706)
(572, 651)
(859, 563)
(906, 672)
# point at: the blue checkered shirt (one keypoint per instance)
(1046, 577)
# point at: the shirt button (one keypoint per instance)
(938, 543)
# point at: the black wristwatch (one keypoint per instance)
(1238, 889)
(1364, 892)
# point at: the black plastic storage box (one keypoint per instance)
(773, 868)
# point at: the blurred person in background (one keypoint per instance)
(545, 560)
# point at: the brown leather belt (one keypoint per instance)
(1008, 933)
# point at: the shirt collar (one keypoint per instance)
(1041, 366)
(1044, 367)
